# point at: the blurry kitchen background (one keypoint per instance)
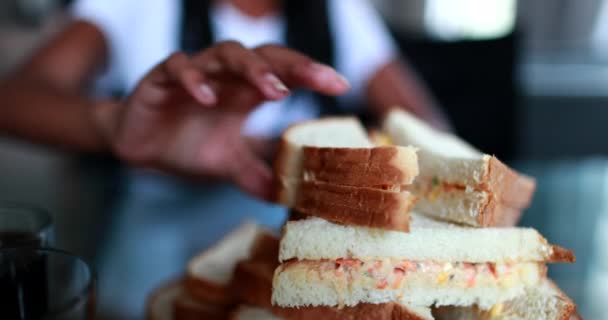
(525, 80)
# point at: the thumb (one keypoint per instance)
(251, 174)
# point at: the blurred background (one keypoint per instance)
(525, 80)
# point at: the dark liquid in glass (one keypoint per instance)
(23, 285)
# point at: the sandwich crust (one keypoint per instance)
(363, 311)
(559, 254)
(252, 283)
(510, 188)
(171, 298)
(287, 162)
(497, 214)
(361, 167)
(366, 207)
(185, 308)
(206, 291)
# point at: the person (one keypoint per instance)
(112, 45)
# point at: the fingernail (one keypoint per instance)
(328, 75)
(343, 80)
(207, 94)
(276, 83)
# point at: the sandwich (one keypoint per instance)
(457, 182)
(435, 264)
(172, 302)
(209, 290)
(330, 169)
(249, 290)
(209, 275)
(253, 281)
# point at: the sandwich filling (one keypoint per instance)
(396, 274)
(432, 187)
(349, 282)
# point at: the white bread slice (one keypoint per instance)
(448, 160)
(542, 302)
(209, 274)
(171, 302)
(428, 239)
(344, 132)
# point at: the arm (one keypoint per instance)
(44, 100)
(396, 85)
(183, 117)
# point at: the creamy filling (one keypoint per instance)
(431, 187)
(395, 274)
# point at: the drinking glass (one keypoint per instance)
(25, 226)
(44, 283)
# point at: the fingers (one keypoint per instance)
(298, 70)
(179, 68)
(251, 174)
(232, 57)
(265, 70)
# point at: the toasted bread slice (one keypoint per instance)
(428, 239)
(381, 167)
(209, 274)
(172, 302)
(327, 168)
(347, 205)
(447, 162)
(334, 132)
(252, 283)
(542, 302)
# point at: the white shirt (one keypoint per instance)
(143, 33)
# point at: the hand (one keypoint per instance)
(185, 116)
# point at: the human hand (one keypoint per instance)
(185, 116)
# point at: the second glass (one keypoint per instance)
(24, 226)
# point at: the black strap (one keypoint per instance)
(308, 31)
(196, 31)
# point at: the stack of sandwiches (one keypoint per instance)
(424, 221)
(410, 223)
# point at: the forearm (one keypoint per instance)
(396, 85)
(35, 111)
